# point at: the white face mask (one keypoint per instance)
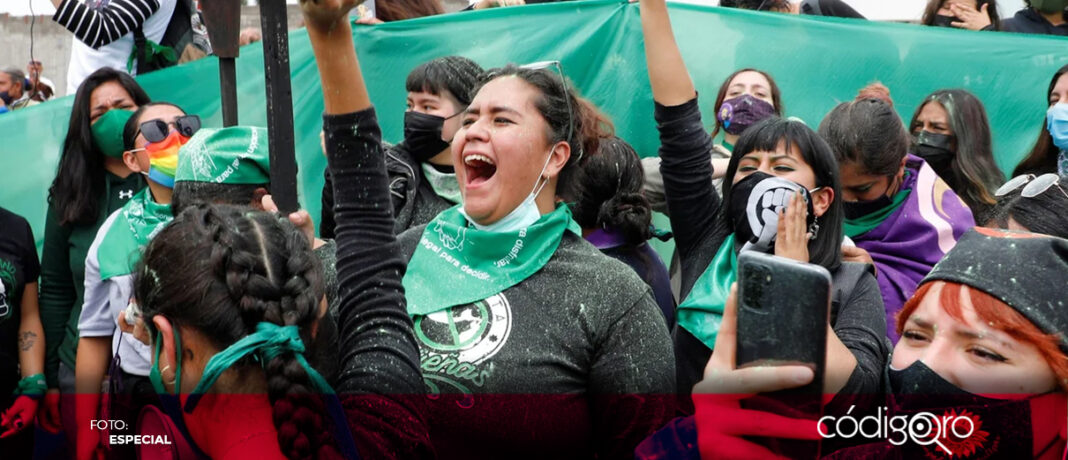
(444, 184)
(524, 215)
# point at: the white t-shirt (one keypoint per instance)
(85, 60)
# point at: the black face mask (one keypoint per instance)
(422, 135)
(6, 97)
(1002, 427)
(857, 209)
(754, 206)
(937, 151)
(945, 21)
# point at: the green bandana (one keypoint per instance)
(107, 132)
(856, 227)
(457, 264)
(444, 185)
(702, 310)
(32, 385)
(269, 341)
(139, 220)
(234, 155)
(158, 56)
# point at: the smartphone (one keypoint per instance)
(783, 314)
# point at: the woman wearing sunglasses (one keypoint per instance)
(1034, 204)
(91, 183)
(152, 137)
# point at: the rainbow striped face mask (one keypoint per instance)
(163, 158)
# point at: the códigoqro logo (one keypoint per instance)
(922, 428)
(120, 439)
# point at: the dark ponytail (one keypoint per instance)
(222, 270)
(606, 192)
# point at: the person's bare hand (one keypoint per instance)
(485, 4)
(301, 219)
(970, 18)
(372, 21)
(323, 15)
(791, 240)
(137, 329)
(249, 35)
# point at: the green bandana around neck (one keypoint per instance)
(107, 132)
(727, 145)
(139, 220)
(269, 341)
(444, 184)
(236, 155)
(701, 311)
(857, 227)
(457, 264)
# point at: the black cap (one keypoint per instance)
(1027, 271)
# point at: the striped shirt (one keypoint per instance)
(105, 21)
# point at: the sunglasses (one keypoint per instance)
(1032, 186)
(157, 130)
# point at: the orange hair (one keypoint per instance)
(997, 315)
(875, 90)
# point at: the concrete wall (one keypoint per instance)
(52, 42)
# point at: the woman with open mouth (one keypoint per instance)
(528, 335)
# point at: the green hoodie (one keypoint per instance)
(63, 273)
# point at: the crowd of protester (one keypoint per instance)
(486, 287)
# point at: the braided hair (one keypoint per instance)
(221, 270)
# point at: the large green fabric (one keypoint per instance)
(817, 62)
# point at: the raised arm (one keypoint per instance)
(99, 27)
(379, 383)
(667, 72)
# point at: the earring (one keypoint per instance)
(813, 230)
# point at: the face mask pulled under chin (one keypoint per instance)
(422, 135)
(1002, 427)
(524, 215)
(754, 206)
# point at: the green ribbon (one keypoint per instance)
(162, 55)
(269, 341)
(856, 227)
(457, 264)
(32, 385)
(701, 311)
(139, 220)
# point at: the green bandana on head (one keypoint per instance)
(234, 155)
(457, 264)
(139, 220)
(107, 132)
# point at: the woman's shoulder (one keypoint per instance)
(578, 260)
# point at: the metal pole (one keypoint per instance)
(223, 18)
(279, 104)
(228, 88)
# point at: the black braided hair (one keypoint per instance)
(222, 270)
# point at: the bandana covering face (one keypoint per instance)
(163, 158)
(457, 264)
(754, 208)
(139, 220)
(107, 132)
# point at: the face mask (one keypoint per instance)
(1049, 6)
(1001, 424)
(945, 21)
(444, 184)
(936, 150)
(524, 215)
(739, 113)
(754, 209)
(163, 158)
(6, 98)
(107, 132)
(1057, 124)
(422, 134)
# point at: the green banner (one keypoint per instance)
(817, 62)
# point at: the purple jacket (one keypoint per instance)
(915, 237)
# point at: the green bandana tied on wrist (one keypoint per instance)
(457, 264)
(107, 132)
(33, 386)
(139, 220)
(235, 155)
(701, 311)
(269, 341)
